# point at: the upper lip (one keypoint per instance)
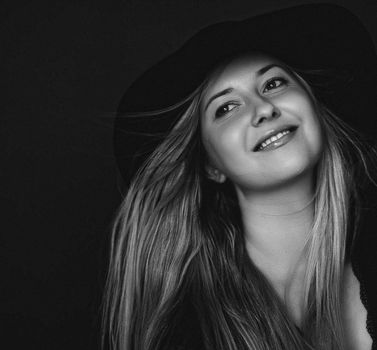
(272, 132)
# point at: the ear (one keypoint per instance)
(215, 174)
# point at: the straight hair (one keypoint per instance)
(178, 235)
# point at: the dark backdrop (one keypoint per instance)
(64, 66)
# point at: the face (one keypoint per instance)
(259, 124)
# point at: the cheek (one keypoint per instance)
(301, 105)
(314, 133)
(224, 145)
(317, 139)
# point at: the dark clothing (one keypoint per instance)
(364, 264)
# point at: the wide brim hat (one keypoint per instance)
(322, 37)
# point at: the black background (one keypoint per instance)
(64, 67)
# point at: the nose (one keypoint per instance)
(264, 110)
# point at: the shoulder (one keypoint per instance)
(354, 313)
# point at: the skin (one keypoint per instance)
(257, 105)
(275, 188)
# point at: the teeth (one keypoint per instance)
(273, 139)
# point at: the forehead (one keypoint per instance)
(239, 70)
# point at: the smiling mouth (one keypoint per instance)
(277, 139)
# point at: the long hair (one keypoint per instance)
(177, 236)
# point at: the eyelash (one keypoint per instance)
(219, 112)
(283, 81)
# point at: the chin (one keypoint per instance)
(293, 169)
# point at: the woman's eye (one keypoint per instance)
(274, 84)
(224, 109)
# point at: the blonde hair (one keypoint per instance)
(177, 236)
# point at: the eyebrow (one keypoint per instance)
(264, 69)
(258, 73)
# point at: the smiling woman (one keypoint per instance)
(255, 107)
(237, 227)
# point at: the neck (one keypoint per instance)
(276, 225)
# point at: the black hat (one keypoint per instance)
(316, 36)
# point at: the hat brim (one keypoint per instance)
(316, 36)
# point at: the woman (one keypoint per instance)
(236, 231)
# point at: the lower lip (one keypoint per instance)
(278, 143)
